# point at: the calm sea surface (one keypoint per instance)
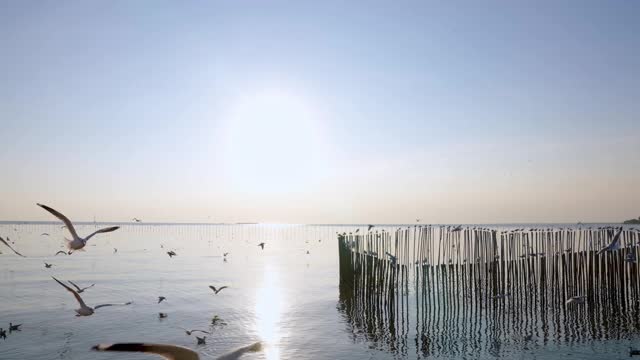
(282, 296)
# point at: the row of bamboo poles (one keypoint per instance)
(456, 291)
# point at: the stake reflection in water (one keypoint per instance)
(269, 302)
(442, 291)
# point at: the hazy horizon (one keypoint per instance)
(321, 112)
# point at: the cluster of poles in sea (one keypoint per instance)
(457, 290)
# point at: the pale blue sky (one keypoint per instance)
(321, 112)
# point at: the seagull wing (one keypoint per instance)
(104, 305)
(9, 246)
(105, 230)
(64, 219)
(220, 289)
(170, 352)
(61, 252)
(74, 285)
(80, 301)
(213, 288)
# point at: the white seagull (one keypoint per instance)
(576, 300)
(77, 243)
(614, 244)
(84, 310)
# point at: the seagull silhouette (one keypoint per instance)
(3, 333)
(217, 290)
(48, 266)
(14, 327)
(201, 340)
(61, 252)
(261, 245)
(85, 310)
(9, 246)
(189, 332)
(171, 253)
(161, 299)
(77, 242)
(162, 315)
(80, 291)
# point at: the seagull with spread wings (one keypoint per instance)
(85, 310)
(217, 290)
(174, 352)
(80, 291)
(77, 243)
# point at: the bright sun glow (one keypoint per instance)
(272, 143)
(268, 313)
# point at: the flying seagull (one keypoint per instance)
(48, 266)
(77, 243)
(261, 245)
(576, 300)
(14, 327)
(44, 234)
(217, 290)
(614, 244)
(136, 220)
(84, 310)
(162, 315)
(161, 299)
(192, 331)
(369, 227)
(201, 340)
(61, 252)
(80, 291)
(173, 352)
(9, 246)
(171, 253)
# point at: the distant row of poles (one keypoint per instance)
(463, 290)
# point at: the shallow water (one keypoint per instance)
(281, 296)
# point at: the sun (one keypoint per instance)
(272, 142)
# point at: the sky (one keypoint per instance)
(320, 111)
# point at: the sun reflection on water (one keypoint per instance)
(269, 302)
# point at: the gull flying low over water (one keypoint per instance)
(80, 291)
(14, 327)
(189, 332)
(174, 352)
(3, 333)
(161, 299)
(201, 340)
(77, 243)
(217, 290)
(576, 300)
(261, 245)
(171, 253)
(614, 244)
(85, 310)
